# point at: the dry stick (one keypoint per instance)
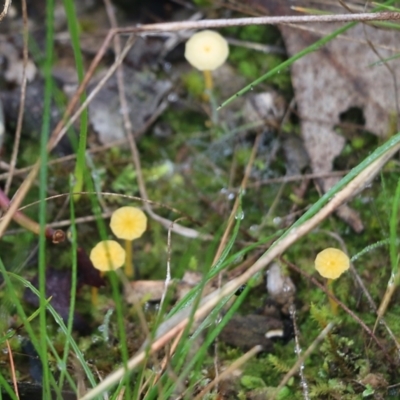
(235, 365)
(7, 4)
(294, 19)
(300, 360)
(170, 328)
(21, 110)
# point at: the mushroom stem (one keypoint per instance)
(333, 303)
(208, 80)
(128, 260)
(94, 295)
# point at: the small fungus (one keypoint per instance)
(206, 50)
(107, 255)
(128, 223)
(331, 263)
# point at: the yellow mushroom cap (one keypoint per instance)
(331, 263)
(107, 255)
(128, 223)
(206, 50)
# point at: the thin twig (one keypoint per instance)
(21, 110)
(293, 19)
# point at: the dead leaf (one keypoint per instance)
(336, 78)
(144, 93)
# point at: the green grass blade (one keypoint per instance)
(394, 257)
(314, 47)
(4, 385)
(64, 329)
(74, 273)
(27, 325)
(45, 133)
(73, 28)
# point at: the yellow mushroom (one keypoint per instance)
(206, 50)
(331, 263)
(107, 255)
(128, 223)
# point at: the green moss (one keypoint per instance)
(193, 82)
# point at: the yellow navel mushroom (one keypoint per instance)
(128, 223)
(206, 50)
(107, 255)
(331, 263)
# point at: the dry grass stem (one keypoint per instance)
(288, 19)
(12, 366)
(17, 137)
